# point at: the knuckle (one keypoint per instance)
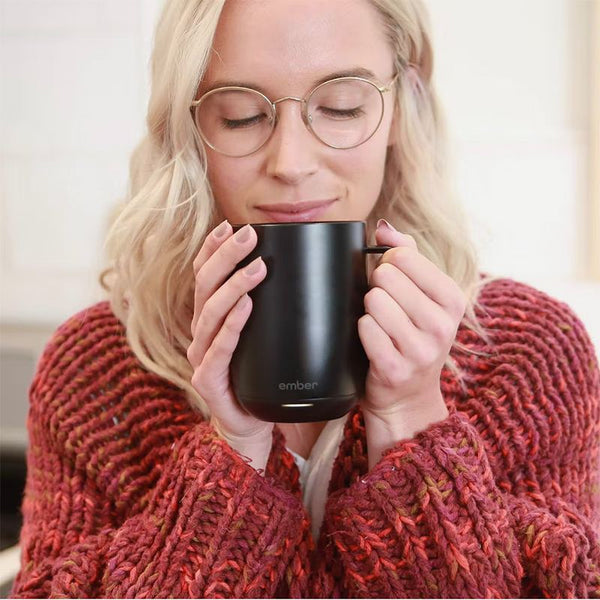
(198, 378)
(209, 246)
(391, 367)
(372, 297)
(442, 329)
(190, 353)
(396, 376)
(231, 324)
(202, 381)
(199, 277)
(203, 322)
(425, 354)
(209, 313)
(401, 251)
(382, 274)
(410, 240)
(460, 305)
(390, 372)
(364, 319)
(457, 299)
(210, 362)
(400, 254)
(364, 323)
(368, 297)
(239, 285)
(202, 333)
(198, 262)
(194, 352)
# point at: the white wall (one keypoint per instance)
(74, 91)
(514, 77)
(511, 73)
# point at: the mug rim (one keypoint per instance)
(263, 224)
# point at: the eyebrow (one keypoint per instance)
(355, 72)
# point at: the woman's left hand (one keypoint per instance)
(412, 313)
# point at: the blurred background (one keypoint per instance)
(520, 83)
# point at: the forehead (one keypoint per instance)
(289, 44)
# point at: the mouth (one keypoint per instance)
(296, 211)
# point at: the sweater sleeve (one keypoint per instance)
(146, 503)
(426, 521)
(498, 500)
(212, 528)
(429, 521)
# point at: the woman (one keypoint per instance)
(469, 468)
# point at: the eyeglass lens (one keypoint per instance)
(342, 114)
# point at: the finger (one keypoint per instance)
(217, 307)
(218, 267)
(217, 358)
(448, 294)
(387, 237)
(212, 241)
(378, 346)
(392, 237)
(438, 286)
(391, 319)
(421, 310)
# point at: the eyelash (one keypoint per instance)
(241, 123)
(350, 112)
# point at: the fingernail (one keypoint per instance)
(219, 232)
(386, 225)
(243, 234)
(253, 267)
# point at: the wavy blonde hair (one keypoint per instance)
(169, 208)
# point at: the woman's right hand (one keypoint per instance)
(221, 308)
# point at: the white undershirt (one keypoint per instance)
(315, 471)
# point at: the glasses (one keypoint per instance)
(342, 113)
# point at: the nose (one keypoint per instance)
(292, 149)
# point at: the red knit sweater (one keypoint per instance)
(129, 493)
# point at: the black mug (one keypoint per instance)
(299, 357)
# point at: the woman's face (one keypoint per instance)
(283, 48)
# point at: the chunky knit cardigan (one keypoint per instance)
(130, 493)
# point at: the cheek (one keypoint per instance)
(363, 167)
(228, 179)
(376, 153)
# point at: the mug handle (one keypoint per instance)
(376, 249)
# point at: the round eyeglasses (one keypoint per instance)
(342, 113)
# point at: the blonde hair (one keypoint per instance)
(169, 208)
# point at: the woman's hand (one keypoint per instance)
(221, 308)
(413, 311)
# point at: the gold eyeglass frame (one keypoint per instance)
(305, 116)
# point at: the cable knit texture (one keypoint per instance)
(131, 494)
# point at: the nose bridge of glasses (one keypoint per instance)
(302, 101)
(295, 98)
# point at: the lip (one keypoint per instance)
(296, 211)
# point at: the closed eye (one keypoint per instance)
(242, 123)
(337, 113)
